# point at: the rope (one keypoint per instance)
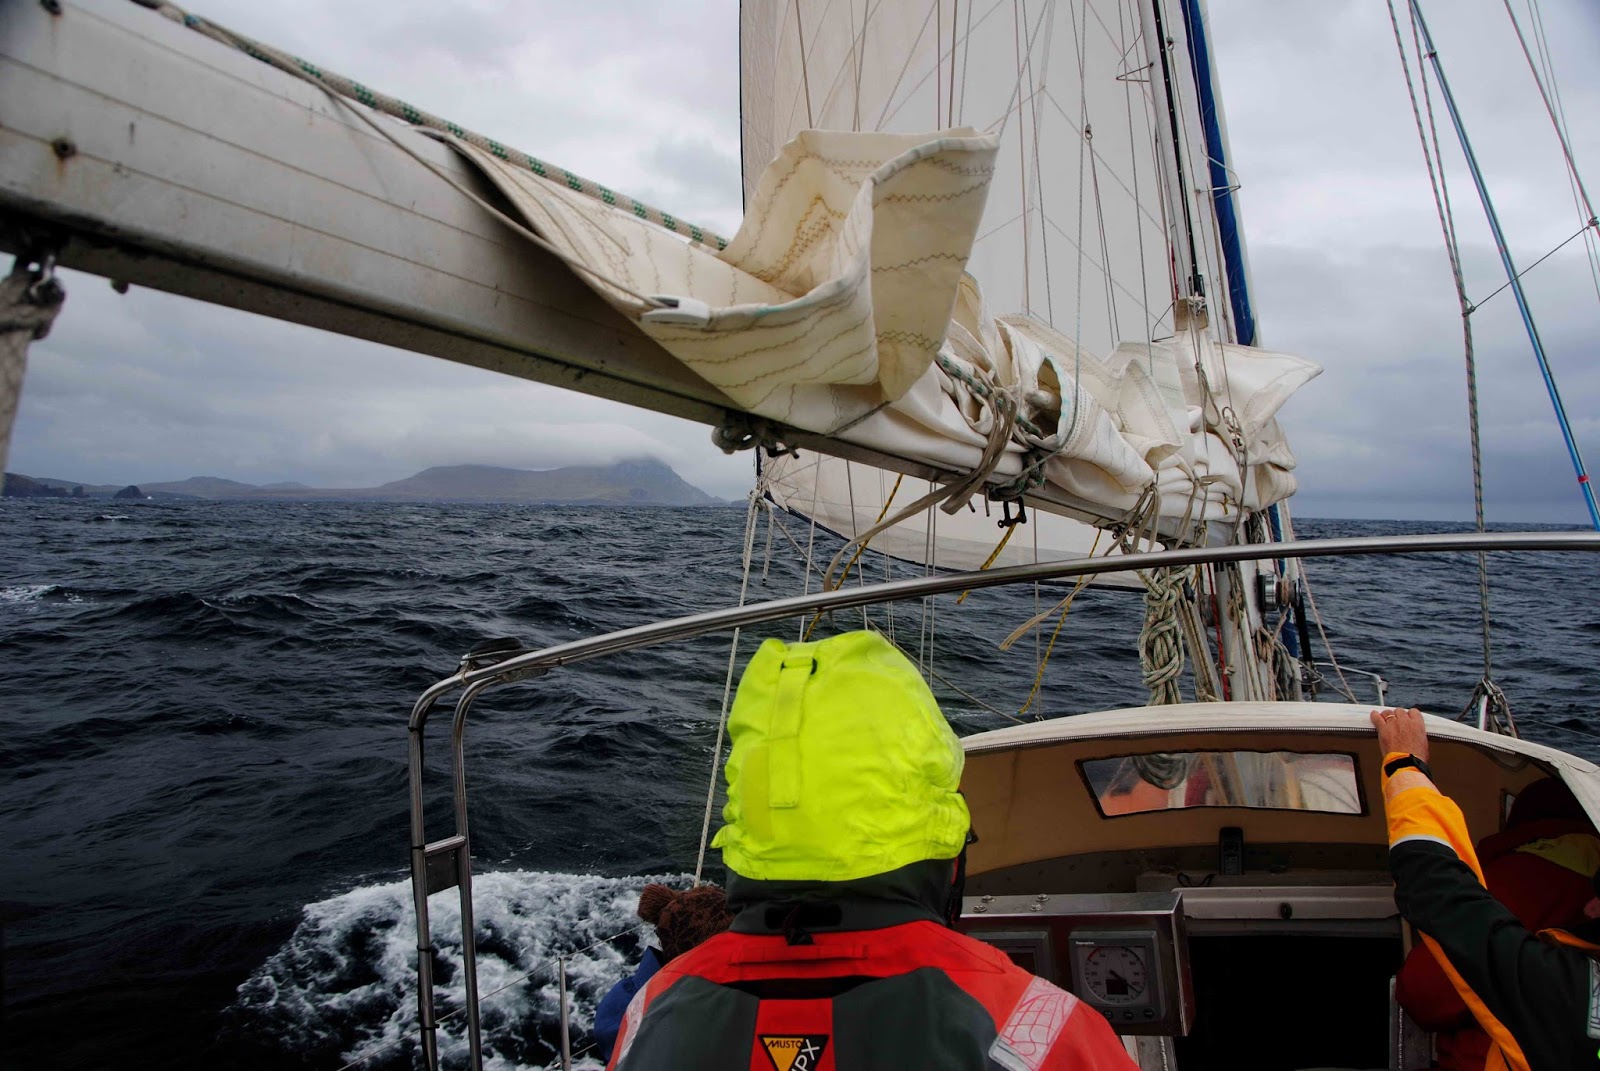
(1494, 707)
(521, 228)
(757, 496)
(30, 298)
(1441, 202)
(1044, 660)
(951, 496)
(1207, 688)
(860, 550)
(347, 87)
(1038, 619)
(1316, 615)
(1163, 771)
(1160, 639)
(993, 555)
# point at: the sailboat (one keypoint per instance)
(991, 269)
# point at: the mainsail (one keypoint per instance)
(1099, 223)
(1012, 277)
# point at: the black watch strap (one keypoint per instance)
(1394, 766)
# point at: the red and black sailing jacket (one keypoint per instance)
(1536, 995)
(912, 994)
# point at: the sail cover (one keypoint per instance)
(967, 230)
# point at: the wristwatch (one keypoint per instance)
(1394, 766)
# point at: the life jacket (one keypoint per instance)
(863, 974)
(914, 995)
(1577, 852)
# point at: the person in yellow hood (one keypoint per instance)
(1537, 996)
(845, 841)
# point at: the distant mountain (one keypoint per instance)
(201, 487)
(17, 486)
(69, 485)
(627, 483)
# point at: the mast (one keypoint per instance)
(1236, 266)
(1244, 668)
(1229, 227)
(1169, 139)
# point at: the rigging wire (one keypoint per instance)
(850, 489)
(1019, 15)
(861, 548)
(757, 494)
(911, 54)
(1557, 114)
(1587, 228)
(805, 73)
(966, 53)
(1433, 155)
(1441, 201)
(339, 87)
(1322, 632)
(1133, 156)
(1573, 453)
(1080, 38)
(1038, 170)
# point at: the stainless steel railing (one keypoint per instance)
(447, 863)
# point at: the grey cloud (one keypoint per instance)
(258, 400)
(1387, 420)
(1346, 258)
(698, 177)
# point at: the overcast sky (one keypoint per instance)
(1345, 253)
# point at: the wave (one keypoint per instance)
(344, 984)
(20, 594)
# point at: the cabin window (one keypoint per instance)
(1272, 780)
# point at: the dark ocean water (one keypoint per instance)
(202, 734)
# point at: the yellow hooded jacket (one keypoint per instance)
(842, 765)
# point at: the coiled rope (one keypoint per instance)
(1161, 637)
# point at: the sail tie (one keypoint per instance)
(1004, 405)
(30, 297)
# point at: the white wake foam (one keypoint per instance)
(25, 592)
(345, 981)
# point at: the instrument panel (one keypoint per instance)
(1124, 955)
(1118, 973)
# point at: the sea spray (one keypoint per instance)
(345, 981)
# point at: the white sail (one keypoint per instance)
(1083, 239)
(964, 246)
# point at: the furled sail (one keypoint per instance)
(975, 238)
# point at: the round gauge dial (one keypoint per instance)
(1115, 974)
